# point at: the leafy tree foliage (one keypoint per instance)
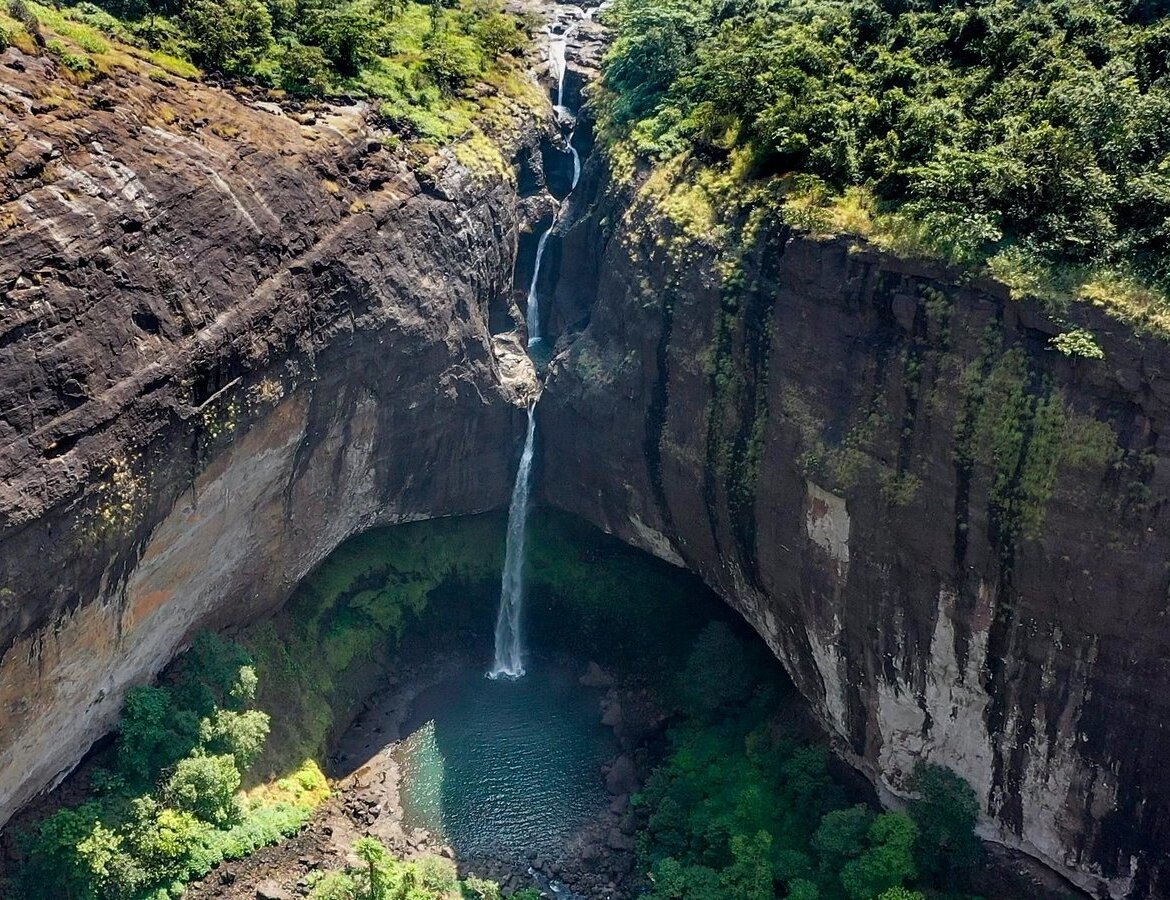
(383, 877)
(946, 812)
(1040, 125)
(171, 808)
(228, 35)
(205, 786)
(740, 809)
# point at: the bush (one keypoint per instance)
(345, 34)
(946, 812)
(23, 14)
(1038, 127)
(304, 70)
(450, 62)
(498, 34)
(140, 835)
(716, 678)
(206, 787)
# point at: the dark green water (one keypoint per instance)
(500, 768)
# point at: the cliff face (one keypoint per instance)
(228, 341)
(953, 535)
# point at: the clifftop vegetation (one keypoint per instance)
(433, 69)
(1029, 137)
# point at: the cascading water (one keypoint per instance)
(509, 660)
(509, 646)
(533, 314)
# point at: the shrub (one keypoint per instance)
(1078, 342)
(498, 34)
(344, 33)
(715, 678)
(23, 14)
(1013, 130)
(946, 812)
(304, 70)
(450, 62)
(206, 786)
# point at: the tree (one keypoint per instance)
(450, 60)
(900, 893)
(205, 786)
(716, 678)
(841, 836)
(228, 36)
(749, 877)
(370, 851)
(345, 33)
(887, 862)
(304, 70)
(152, 734)
(946, 812)
(241, 734)
(498, 34)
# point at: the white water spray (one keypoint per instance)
(509, 661)
(557, 44)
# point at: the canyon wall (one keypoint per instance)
(954, 535)
(228, 340)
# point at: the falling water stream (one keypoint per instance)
(509, 645)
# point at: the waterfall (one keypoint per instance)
(509, 648)
(576, 163)
(557, 45)
(533, 314)
(509, 661)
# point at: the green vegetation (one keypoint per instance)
(169, 807)
(437, 71)
(382, 877)
(1018, 426)
(352, 614)
(1033, 137)
(169, 804)
(593, 597)
(744, 808)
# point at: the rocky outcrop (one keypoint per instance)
(953, 535)
(228, 341)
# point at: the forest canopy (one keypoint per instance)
(434, 68)
(1034, 134)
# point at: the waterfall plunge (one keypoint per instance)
(509, 651)
(509, 661)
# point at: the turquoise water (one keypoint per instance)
(502, 768)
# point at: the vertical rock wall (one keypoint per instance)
(953, 535)
(228, 341)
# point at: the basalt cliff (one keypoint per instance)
(953, 535)
(229, 340)
(232, 338)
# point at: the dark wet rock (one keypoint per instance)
(622, 777)
(596, 677)
(1032, 666)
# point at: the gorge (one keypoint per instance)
(235, 337)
